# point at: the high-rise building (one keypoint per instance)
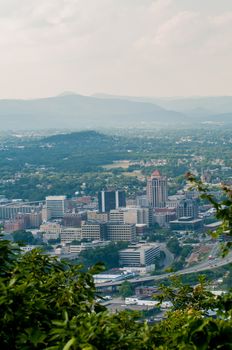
(141, 201)
(117, 216)
(187, 208)
(73, 219)
(94, 231)
(56, 205)
(34, 219)
(46, 214)
(134, 215)
(157, 190)
(108, 200)
(121, 232)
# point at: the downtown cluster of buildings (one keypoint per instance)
(84, 223)
(179, 212)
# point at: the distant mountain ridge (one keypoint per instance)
(208, 104)
(72, 111)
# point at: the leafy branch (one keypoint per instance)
(223, 208)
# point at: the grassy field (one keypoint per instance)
(120, 164)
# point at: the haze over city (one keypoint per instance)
(116, 174)
(123, 47)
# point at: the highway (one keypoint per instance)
(206, 265)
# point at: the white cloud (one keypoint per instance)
(178, 30)
(221, 20)
(99, 45)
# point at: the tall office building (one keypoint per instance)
(108, 200)
(94, 231)
(134, 215)
(56, 205)
(157, 190)
(187, 208)
(141, 201)
(121, 232)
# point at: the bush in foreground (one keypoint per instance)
(47, 304)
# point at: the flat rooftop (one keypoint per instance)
(139, 247)
(186, 221)
(55, 198)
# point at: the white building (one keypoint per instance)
(139, 255)
(77, 248)
(135, 215)
(56, 205)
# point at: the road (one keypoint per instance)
(169, 257)
(206, 265)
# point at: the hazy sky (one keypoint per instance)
(133, 47)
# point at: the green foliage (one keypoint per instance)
(184, 296)
(150, 312)
(126, 289)
(181, 253)
(24, 237)
(108, 255)
(223, 208)
(174, 246)
(187, 329)
(161, 235)
(186, 250)
(48, 304)
(35, 290)
(64, 162)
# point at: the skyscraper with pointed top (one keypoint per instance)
(157, 190)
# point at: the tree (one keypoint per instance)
(223, 208)
(108, 255)
(24, 237)
(126, 289)
(174, 246)
(185, 251)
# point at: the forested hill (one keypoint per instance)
(79, 151)
(82, 139)
(87, 150)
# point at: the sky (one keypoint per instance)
(121, 47)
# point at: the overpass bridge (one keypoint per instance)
(206, 265)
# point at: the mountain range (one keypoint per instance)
(73, 111)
